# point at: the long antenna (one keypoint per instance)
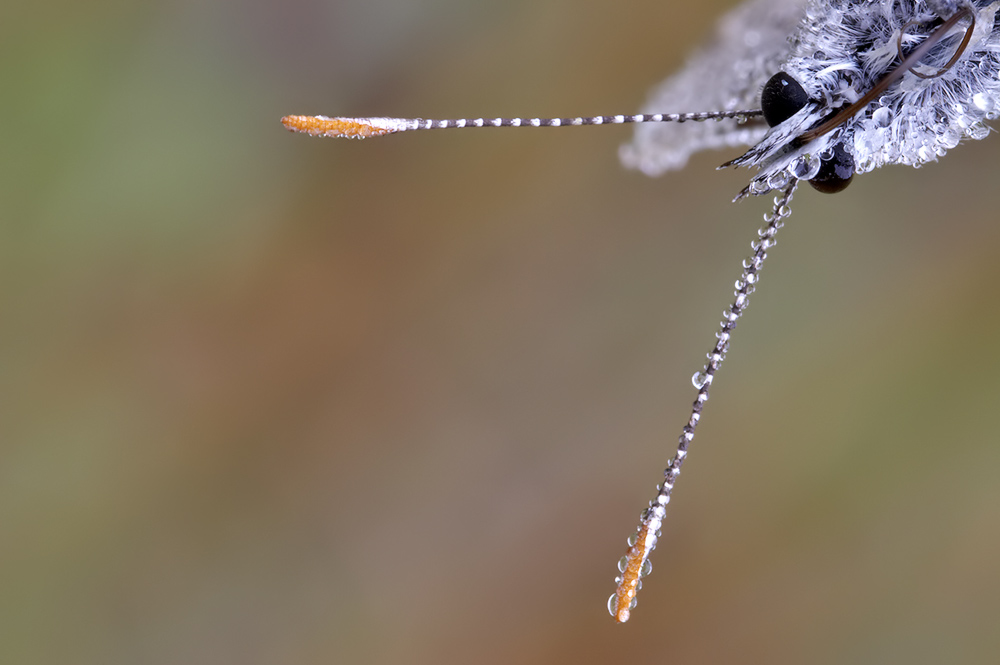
(635, 564)
(362, 128)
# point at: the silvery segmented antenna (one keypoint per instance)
(362, 128)
(842, 87)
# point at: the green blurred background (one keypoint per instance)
(273, 399)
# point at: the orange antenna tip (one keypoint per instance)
(347, 128)
(633, 566)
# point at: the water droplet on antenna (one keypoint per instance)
(699, 380)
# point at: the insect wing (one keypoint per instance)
(749, 45)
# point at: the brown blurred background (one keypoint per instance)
(272, 399)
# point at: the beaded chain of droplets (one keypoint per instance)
(635, 564)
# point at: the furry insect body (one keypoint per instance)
(837, 51)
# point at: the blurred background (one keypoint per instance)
(273, 399)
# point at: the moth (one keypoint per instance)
(820, 91)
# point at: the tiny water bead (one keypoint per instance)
(978, 131)
(700, 379)
(836, 173)
(805, 167)
(621, 615)
(778, 180)
(882, 117)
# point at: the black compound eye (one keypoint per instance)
(781, 98)
(835, 173)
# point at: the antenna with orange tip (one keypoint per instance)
(362, 128)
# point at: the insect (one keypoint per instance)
(821, 91)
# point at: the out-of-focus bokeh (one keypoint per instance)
(273, 399)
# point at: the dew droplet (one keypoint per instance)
(805, 168)
(647, 568)
(699, 379)
(978, 131)
(613, 604)
(882, 117)
(622, 564)
(778, 180)
(865, 164)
